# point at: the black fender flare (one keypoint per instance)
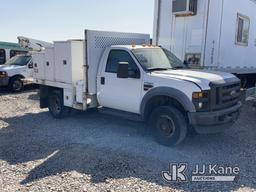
(169, 92)
(17, 75)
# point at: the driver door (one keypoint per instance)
(117, 93)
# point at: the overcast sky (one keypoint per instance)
(66, 19)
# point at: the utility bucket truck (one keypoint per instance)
(9, 50)
(121, 74)
(17, 71)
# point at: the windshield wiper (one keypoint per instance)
(158, 69)
(179, 67)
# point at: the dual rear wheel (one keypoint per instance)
(56, 105)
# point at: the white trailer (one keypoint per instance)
(121, 74)
(215, 34)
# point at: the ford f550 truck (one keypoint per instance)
(121, 74)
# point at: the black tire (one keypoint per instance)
(56, 105)
(16, 84)
(169, 126)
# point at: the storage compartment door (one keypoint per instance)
(39, 66)
(49, 64)
(62, 58)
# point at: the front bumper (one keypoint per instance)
(214, 122)
(4, 81)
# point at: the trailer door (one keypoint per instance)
(179, 37)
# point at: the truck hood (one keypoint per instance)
(202, 78)
(9, 67)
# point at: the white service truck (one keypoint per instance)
(121, 74)
(18, 70)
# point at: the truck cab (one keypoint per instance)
(152, 83)
(138, 82)
(16, 72)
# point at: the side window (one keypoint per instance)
(2, 56)
(116, 56)
(14, 53)
(243, 28)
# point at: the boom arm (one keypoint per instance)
(33, 44)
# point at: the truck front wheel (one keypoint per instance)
(16, 84)
(56, 105)
(169, 125)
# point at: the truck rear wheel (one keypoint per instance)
(56, 105)
(16, 84)
(169, 125)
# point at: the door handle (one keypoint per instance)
(102, 80)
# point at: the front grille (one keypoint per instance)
(224, 96)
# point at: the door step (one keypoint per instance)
(122, 114)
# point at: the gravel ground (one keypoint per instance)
(95, 152)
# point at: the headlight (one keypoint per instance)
(3, 74)
(201, 100)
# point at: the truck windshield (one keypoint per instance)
(18, 60)
(155, 59)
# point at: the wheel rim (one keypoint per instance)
(166, 125)
(17, 85)
(55, 105)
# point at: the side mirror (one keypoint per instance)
(122, 71)
(30, 65)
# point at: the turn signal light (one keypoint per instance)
(197, 95)
(3, 74)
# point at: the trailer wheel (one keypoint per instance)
(56, 105)
(16, 84)
(169, 125)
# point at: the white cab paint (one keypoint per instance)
(120, 94)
